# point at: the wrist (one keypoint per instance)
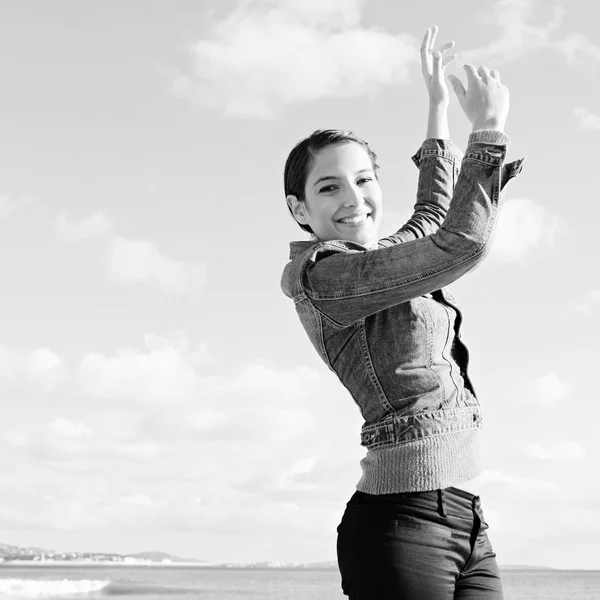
(495, 124)
(438, 106)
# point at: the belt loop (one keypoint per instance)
(441, 502)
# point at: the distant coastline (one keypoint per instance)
(38, 557)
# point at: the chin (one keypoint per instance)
(365, 240)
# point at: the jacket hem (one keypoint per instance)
(423, 465)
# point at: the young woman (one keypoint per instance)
(378, 314)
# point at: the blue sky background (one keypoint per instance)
(157, 389)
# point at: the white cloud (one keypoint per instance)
(260, 378)
(98, 225)
(518, 482)
(587, 303)
(586, 120)
(7, 206)
(138, 500)
(60, 441)
(159, 375)
(522, 34)
(292, 423)
(204, 420)
(71, 429)
(561, 451)
(46, 367)
(304, 465)
(131, 261)
(41, 366)
(550, 390)
(134, 262)
(265, 55)
(8, 365)
(524, 226)
(577, 47)
(518, 37)
(143, 450)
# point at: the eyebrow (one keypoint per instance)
(337, 178)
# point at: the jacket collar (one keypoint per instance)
(297, 248)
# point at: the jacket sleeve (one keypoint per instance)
(438, 161)
(346, 282)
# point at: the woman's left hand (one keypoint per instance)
(433, 64)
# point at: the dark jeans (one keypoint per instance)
(417, 546)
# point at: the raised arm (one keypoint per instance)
(347, 283)
(438, 159)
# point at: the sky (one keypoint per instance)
(158, 391)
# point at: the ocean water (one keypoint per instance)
(188, 583)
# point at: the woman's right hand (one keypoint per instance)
(486, 101)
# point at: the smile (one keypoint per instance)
(356, 220)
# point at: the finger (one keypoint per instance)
(495, 74)
(434, 32)
(425, 44)
(445, 47)
(484, 73)
(448, 60)
(437, 65)
(472, 75)
(426, 65)
(458, 87)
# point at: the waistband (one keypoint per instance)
(447, 501)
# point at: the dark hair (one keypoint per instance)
(301, 159)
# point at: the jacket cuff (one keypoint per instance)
(489, 136)
(439, 147)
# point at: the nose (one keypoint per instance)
(353, 196)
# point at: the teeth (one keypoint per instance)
(357, 219)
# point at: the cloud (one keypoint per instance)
(524, 226)
(205, 420)
(96, 226)
(567, 452)
(523, 484)
(46, 367)
(257, 377)
(521, 34)
(60, 441)
(8, 206)
(577, 47)
(133, 262)
(251, 401)
(588, 303)
(138, 500)
(586, 120)
(550, 390)
(162, 374)
(8, 365)
(518, 37)
(70, 429)
(41, 366)
(139, 262)
(267, 54)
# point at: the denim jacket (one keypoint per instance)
(383, 322)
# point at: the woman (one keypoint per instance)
(378, 314)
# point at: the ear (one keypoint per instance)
(298, 209)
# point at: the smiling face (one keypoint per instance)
(342, 196)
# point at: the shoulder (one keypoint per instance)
(304, 255)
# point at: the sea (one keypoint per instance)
(157, 582)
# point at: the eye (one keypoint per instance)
(328, 188)
(365, 179)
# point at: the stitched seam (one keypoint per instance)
(390, 443)
(417, 277)
(371, 369)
